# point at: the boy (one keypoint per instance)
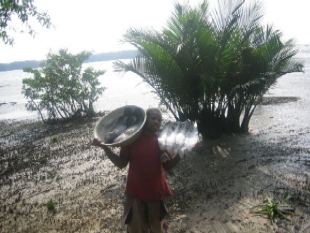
(146, 181)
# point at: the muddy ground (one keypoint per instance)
(216, 187)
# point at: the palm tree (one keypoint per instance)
(212, 67)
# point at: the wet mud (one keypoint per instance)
(215, 187)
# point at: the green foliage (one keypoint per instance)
(55, 139)
(212, 67)
(51, 205)
(24, 11)
(61, 88)
(274, 209)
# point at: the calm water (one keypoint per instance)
(121, 89)
(128, 88)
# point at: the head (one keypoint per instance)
(153, 120)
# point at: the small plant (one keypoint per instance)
(55, 139)
(51, 205)
(275, 209)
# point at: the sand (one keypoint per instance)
(216, 187)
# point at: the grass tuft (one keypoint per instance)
(273, 209)
(51, 205)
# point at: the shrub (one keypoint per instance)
(212, 67)
(60, 89)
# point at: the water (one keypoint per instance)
(290, 118)
(128, 88)
(121, 89)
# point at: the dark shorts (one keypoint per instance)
(128, 203)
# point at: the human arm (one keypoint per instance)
(117, 160)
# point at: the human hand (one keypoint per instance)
(165, 156)
(96, 142)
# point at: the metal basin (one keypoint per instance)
(120, 127)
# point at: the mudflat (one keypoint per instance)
(53, 180)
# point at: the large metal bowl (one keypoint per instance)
(124, 124)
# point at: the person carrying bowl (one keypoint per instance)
(147, 186)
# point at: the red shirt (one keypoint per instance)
(146, 178)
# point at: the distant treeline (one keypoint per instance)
(18, 65)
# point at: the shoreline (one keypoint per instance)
(215, 188)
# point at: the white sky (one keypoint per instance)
(98, 25)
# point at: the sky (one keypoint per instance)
(99, 25)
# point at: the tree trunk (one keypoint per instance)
(245, 124)
(247, 117)
(246, 121)
(90, 111)
(210, 126)
(232, 120)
